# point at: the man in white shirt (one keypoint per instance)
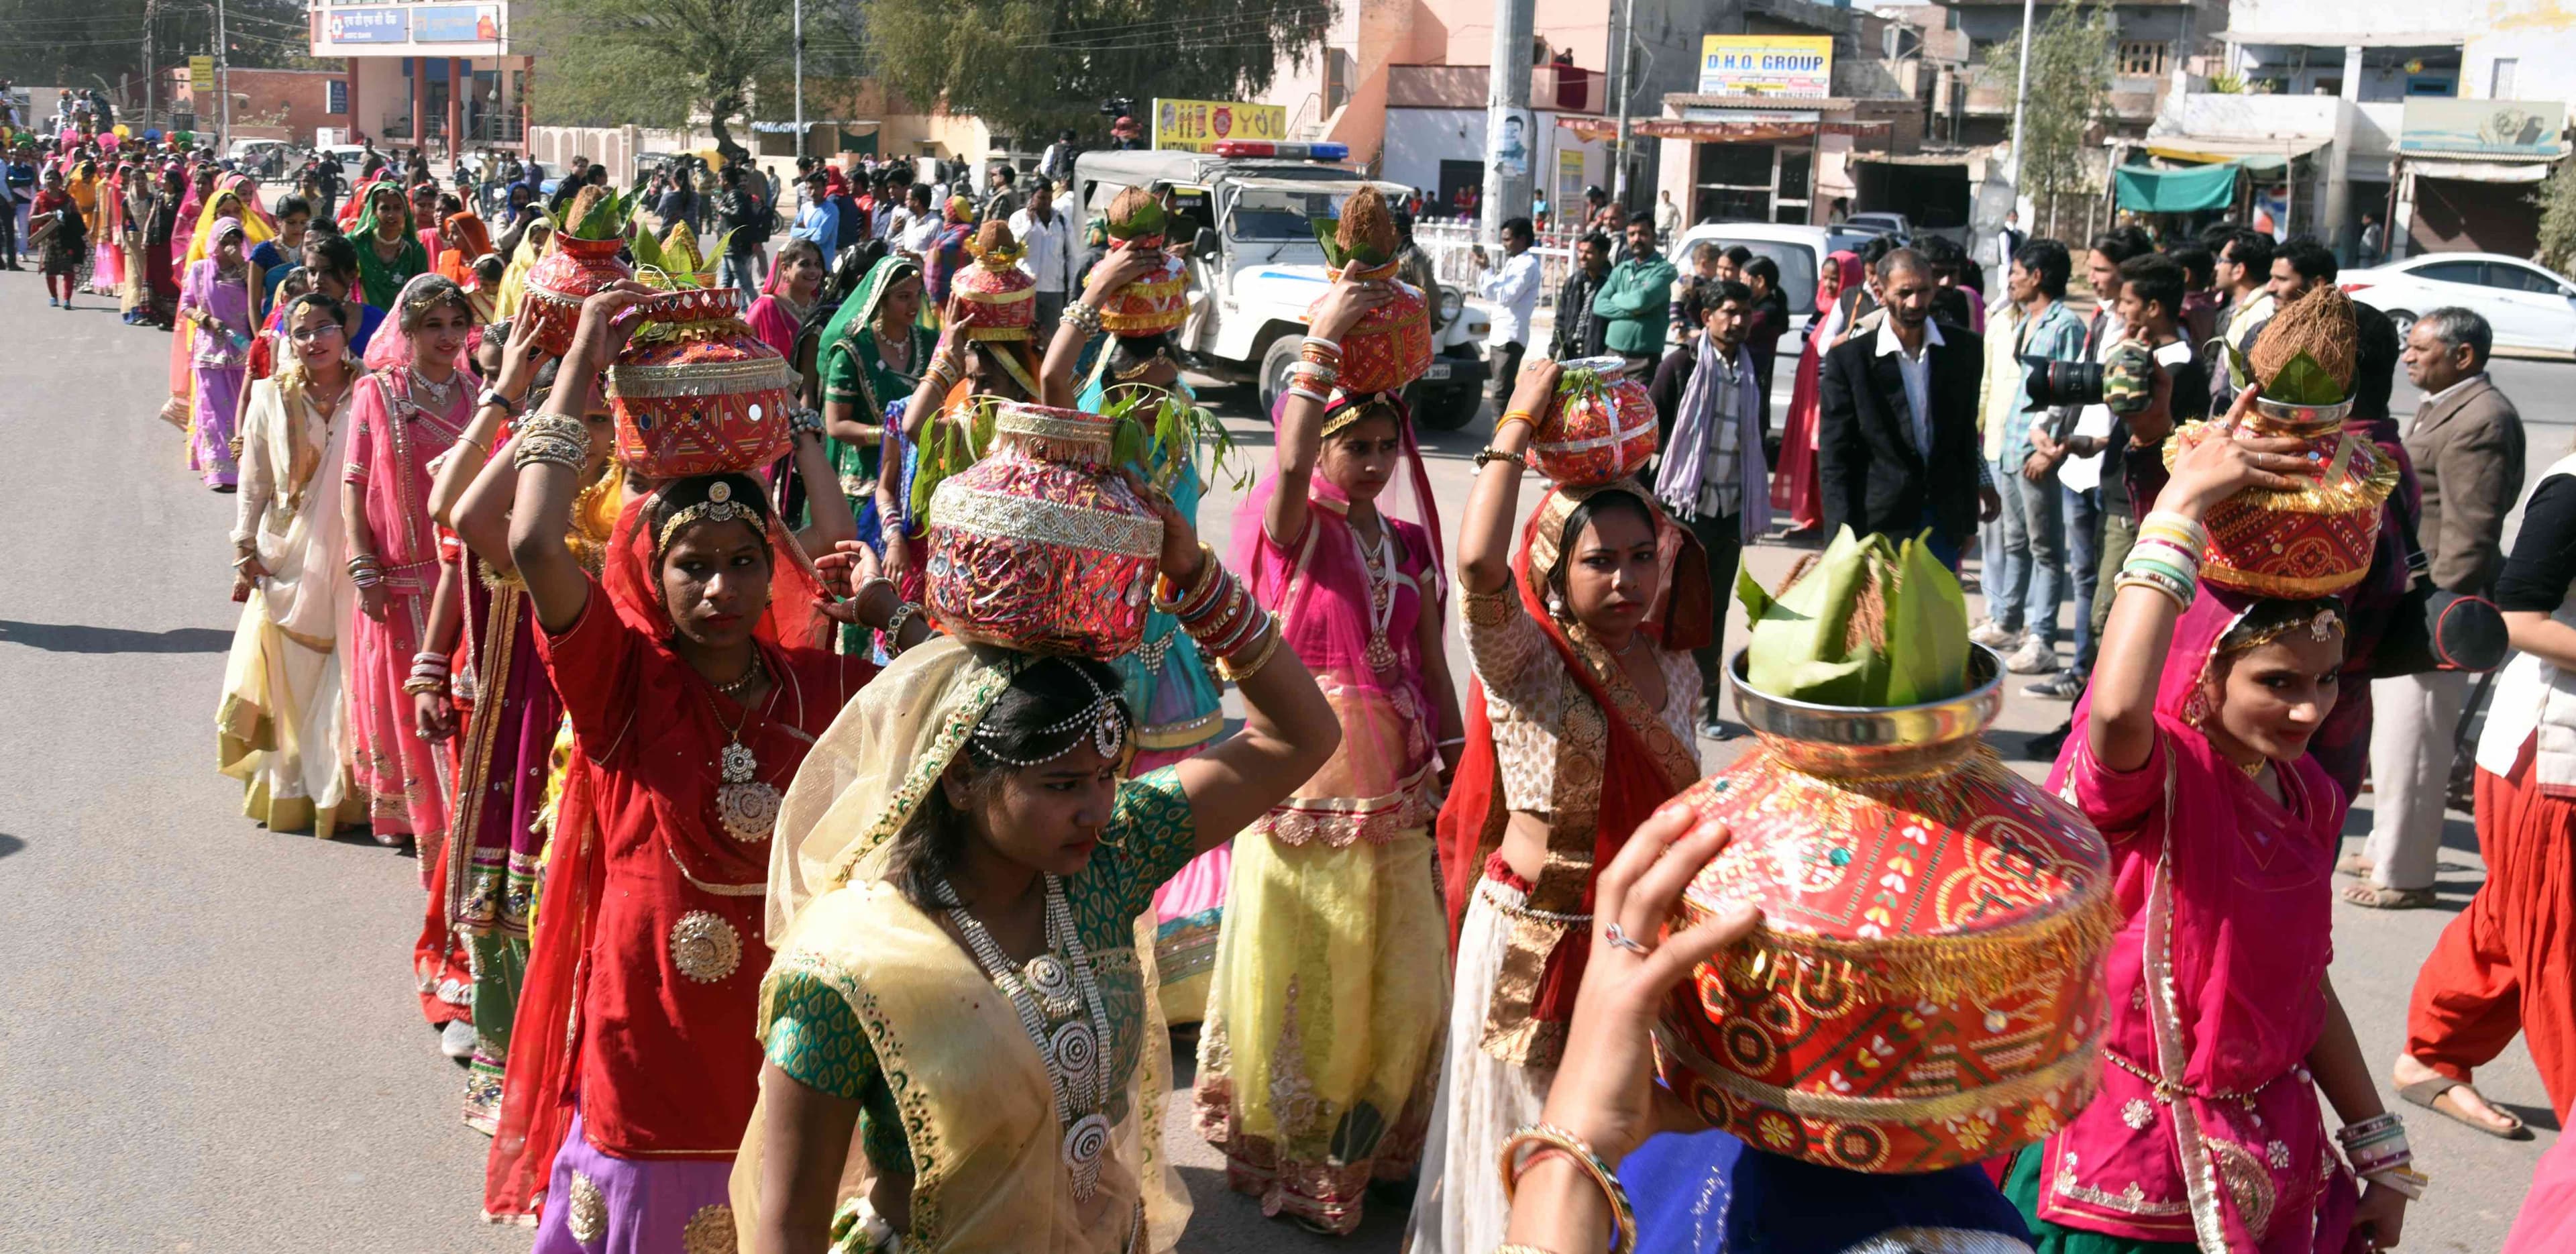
(915, 225)
(1668, 218)
(1048, 239)
(1513, 287)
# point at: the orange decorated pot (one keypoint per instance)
(1391, 346)
(1152, 305)
(1925, 989)
(2306, 542)
(698, 397)
(1004, 298)
(1042, 546)
(1599, 428)
(564, 278)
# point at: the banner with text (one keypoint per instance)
(1766, 65)
(1197, 125)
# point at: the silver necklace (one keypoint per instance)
(1050, 996)
(1378, 561)
(745, 804)
(438, 391)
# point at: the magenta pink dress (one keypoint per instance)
(2228, 898)
(389, 455)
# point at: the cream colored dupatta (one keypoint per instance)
(978, 1108)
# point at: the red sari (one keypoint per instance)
(644, 971)
(1795, 487)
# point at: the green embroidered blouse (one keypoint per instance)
(815, 1037)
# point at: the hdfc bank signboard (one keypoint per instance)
(456, 30)
(1798, 66)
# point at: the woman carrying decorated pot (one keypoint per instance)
(1322, 1039)
(1126, 316)
(970, 823)
(973, 366)
(2191, 758)
(1581, 638)
(692, 672)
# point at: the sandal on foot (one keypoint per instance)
(2428, 1094)
(2354, 865)
(2374, 897)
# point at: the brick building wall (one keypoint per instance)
(304, 97)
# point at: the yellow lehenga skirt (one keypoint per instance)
(1326, 1014)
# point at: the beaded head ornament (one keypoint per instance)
(1105, 718)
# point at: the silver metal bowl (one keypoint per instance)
(1860, 741)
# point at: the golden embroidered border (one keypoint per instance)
(2030, 1086)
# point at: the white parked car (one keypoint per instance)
(2529, 307)
(1799, 251)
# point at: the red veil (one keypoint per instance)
(1643, 764)
(538, 1086)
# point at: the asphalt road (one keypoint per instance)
(209, 1044)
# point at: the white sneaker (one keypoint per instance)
(1993, 635)
(457, 1040)
(2034, 657)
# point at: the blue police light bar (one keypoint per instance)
(1293, 152)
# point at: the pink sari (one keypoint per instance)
(2214, 986)
(389, 456)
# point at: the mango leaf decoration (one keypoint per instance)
(1927, 629)
(2303, 381)
(1869, 623)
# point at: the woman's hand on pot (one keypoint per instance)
(1345, 303)
(1121, 267)
(1605, 1089)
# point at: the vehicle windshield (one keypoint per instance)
(1271, 213)
(1797, 264)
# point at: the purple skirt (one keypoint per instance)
(597, 1203)
(219, 390)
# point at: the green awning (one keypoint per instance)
(2176, 191)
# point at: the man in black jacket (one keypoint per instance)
(1897, 443)
(1578, 333)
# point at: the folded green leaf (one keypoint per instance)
(2302, 381)
(1927, 629)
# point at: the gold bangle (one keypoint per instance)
(1513, 416)
(1623, 1216)
(1233, 674)
(1179, 597)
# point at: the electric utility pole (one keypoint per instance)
(1511, 149)
(1627, 48)
(800, 77)
(2021, 97)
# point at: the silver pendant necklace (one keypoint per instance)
(1050, 994)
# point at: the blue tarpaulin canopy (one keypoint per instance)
(2148, 190)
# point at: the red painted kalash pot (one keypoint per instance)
(565, 277)
(1391, 346)
(2305, 542)
(1599, 428)
(695, 392)
(1005, 297)
(1925, 988)
(1152, 305)
(1042, 546)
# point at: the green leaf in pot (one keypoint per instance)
(2302, 381)
(1798, 646)
(1927, 629)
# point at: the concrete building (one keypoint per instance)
(2152, 40)
(2437, 118)
(420, 73)
(1386, 84)
(267, 104)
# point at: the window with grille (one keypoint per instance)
(2142, 56)
(1337, 80)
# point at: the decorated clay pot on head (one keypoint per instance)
(1152, 305)
(1600, 427)
(1042, 546)
(562, 280)
(1391, 346)
(1001, 298)
(2311, 541)
(1925, 988)
(695, 396)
